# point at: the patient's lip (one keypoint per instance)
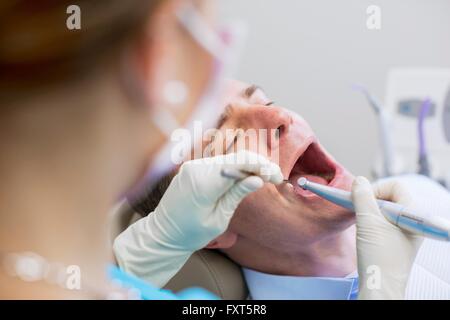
(337, 182)
(306, 193)
(287, 186)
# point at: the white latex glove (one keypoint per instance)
(385, 252)
(196, 208)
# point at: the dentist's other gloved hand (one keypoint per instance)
(385, 252)
(196, 208)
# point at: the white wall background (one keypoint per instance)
(307, 53)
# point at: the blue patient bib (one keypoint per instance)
(149, 292)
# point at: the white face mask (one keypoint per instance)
(224, 47)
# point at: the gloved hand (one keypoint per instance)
(385, 252)
(196, 208)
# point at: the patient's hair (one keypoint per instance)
(150, 200)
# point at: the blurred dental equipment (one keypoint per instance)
(237, 174)
(424, 168)
(385, 136)
(406, 90)
(446, 117)
(431, 227)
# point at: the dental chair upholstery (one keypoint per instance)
(208, 269)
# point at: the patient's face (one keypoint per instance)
(282, 217)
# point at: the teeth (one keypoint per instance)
(327, 176)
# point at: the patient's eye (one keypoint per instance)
(269, 103)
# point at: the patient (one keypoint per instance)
(280, 229)
(290, 243)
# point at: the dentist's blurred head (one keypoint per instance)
(98, 85)
(77, 117)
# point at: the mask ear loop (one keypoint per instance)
(161, 118)
(223, 47)
(199, 30)
(133, 84)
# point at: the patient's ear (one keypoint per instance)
(224, 241)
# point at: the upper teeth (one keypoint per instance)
(326, 176)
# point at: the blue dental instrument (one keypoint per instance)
(431, 227)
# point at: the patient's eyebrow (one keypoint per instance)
(246, 93)
(251, 90)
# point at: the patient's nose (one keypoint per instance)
(276, 120)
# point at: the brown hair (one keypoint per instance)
(36, 47)
(148, 202)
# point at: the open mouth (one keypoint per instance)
(315, 166)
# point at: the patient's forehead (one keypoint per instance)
(233, 88)
(231, 93)
(236, 92)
